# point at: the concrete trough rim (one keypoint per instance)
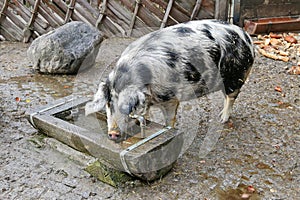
(148, 165)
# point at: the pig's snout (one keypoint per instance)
(114, 135)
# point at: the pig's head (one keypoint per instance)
(118, 107)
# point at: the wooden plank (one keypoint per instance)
(14, 18)
(133, 18)
(102, 13)
(154, 10)
(118, 18)
(128, 4)
(167, 13)
(7, 35)
(69, 11)
(177, 12)
(43, 11)
(207, 10)
(278, 10)
(64, 8)
(14, 31)
(254, 3)
(24, 12)
(147, 17)
(87, 15)
(56, 11)
(117, 13)
(61, 5)
(255, 9)
(123, 16)
(157, 11)
(108, 28)
(95, 3)
(46, 15)
(34, 13)
(221, 10)
(196, 9)
(3, 9)
(94, 12)
(29, 29)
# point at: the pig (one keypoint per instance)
(174, 64)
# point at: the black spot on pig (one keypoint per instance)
(123, 68)
(207, 32)
(247, 38)
(184, 31)
(166, 95)
(172, 58)
(237, 61)
(215, 53)
(144, 74)
(191, 73)
(122, 78)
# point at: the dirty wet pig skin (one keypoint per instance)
(174, 64)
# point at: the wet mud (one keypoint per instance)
(254, 156)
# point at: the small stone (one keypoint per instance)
(193, 181)
(86, 195)
(272, 190)
(290, 39)
(17, 137)
(70, 183)
(245, 196)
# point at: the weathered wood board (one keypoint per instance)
(267, 25)
(150, 160)
(255, 9)
(26, 20)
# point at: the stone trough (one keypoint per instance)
(146, 158)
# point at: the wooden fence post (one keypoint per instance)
(102, 13)
(167, 13)
(136, 9)
(221, 9)
(196, 9)
(27, 32)
(2, 12)
(70, 11)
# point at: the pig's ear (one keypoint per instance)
(99, 101)
(129, 99)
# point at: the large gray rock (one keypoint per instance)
(66, 49)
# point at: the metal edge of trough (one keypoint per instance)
(272, 24)
(92, 143)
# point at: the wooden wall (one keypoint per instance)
(24, 20)
(254, 9)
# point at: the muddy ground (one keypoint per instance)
(256, 155)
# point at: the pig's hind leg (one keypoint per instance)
(169, 110)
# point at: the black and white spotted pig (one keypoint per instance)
(174, 64)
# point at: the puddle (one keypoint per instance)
(242, 192)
